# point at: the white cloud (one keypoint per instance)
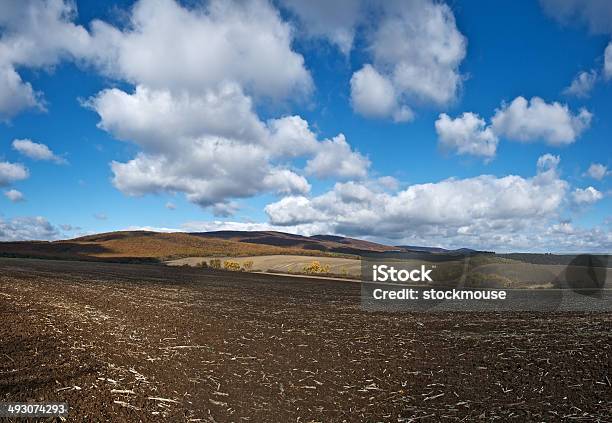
(416, 50)
(597, 171)
(608, 61)
(334, 158)
(208, 171)
(587, 195)
(469, 211)
(100, 216)
(168, 46)
(373, 95)
(214, 147)
(36, 151)
(14, 195)
(597, 14)
(582, 84)
(27, 228)
(335, 20)
(11, 172)
(163, 46)
(467, 134)
(548, 162)
(290, 136)
(192, 110)
(170, 206)
(160, 121)
(225, 209)
(554, 123)
(34, 34)
(15, 95)
(293, 211)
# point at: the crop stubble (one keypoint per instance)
(125, 342)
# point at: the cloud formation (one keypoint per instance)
(11, 172)
(531, 120)
(194, 116)
(336, 21)
(38, 35)
(587, 195)
(485, 211)
(596, 14)
(36, 151)
(582, 84)
(27, 228)
(14, 195)
(244, 42)
(214, 147)
(521, 120)
(416, 50)
(467, 134)
(597, 171)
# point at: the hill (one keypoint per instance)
(321, 243)
(146, 246)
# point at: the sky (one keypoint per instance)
(455, 124)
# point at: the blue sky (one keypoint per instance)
(449, 124)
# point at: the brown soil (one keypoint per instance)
(122, 342)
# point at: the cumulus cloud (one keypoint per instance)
(34, 34)
(521, 120)
(467, 134)
(507, 212)
(334, 158)
(587, 195)
(524, 120)
(27, 228)
(170, 205)
(333, 20)
(548, 162)
(196, 48)
(163, 45)
(15, 94)
(597, 171)
(11, 172)
(159, 120)
(582, 84)
(36, 151)
(416, 50)
(373, 95)
(214, 147)
(192, 110)
(14, 195)
(597, 14)
(224, 209)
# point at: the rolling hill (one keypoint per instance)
(149, 246)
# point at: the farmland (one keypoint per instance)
(126, 342)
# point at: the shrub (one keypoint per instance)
(203, 264)
(231, 265)
(215, 264)
(247, 266)
(316, 267)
